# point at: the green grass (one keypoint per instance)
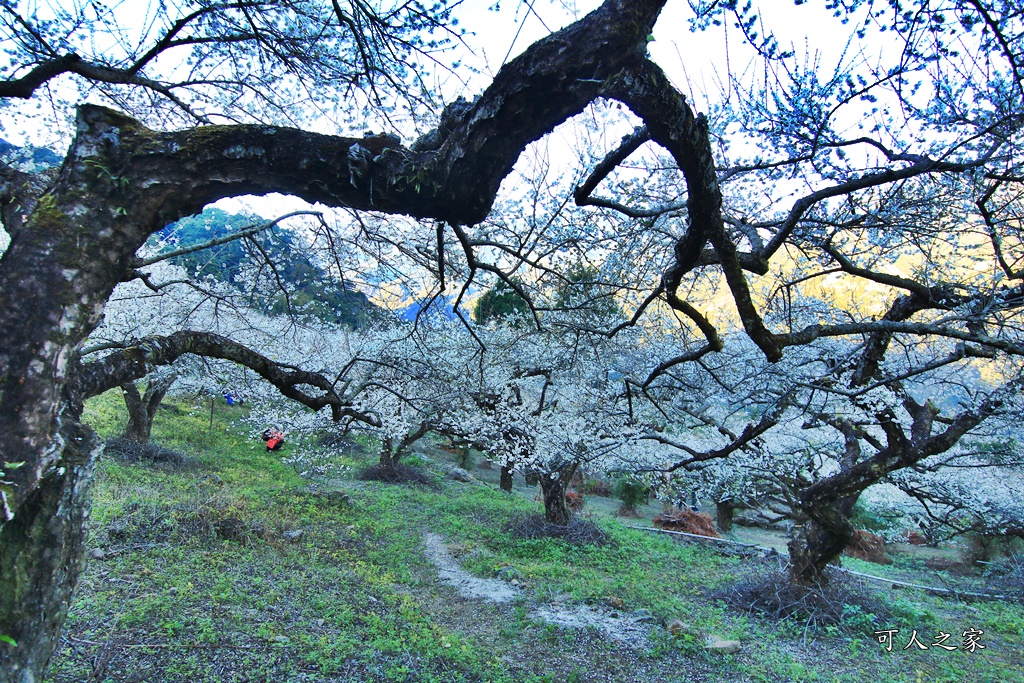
(199, 583)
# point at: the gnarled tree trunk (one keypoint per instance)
(391, 453)
(506, 478)
(41, 558)
(818, 540)
(142, 408)
(55, 278)
(389, 457)
(811, 549)
(553, 487)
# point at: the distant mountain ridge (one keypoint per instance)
(440, 307)
(310, 290)
(38, 158)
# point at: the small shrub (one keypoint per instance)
(632, 493)
(908, 613)
(466, 459)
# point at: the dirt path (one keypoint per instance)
(467, 585)
(627, 628)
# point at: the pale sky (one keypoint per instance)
(696, 62)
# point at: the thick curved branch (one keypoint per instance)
(457, 182)
(848, 266)
(852, 480)
(667, 365)
(878, 342)
(646, 90)
(135, 362)
(812, 332)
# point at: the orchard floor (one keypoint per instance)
(236, 567)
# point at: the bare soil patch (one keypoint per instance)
(629, 629)
(467, 585)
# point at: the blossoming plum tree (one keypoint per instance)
(912, 153)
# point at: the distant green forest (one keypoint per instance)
(282, 260)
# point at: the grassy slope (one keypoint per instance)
(199, 584)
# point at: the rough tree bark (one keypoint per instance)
(816, 544)
(506, 478)
(823, 528)
(121, 182)
(553, 487)
(724, 510)
(142, 407)
(41, 555)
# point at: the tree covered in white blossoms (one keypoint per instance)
(543, 405)
(888, 175)
(808, 435)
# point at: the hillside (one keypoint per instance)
(280, 259)
(230, 566)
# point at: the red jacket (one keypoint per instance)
(276, 438)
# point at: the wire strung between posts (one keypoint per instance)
(894, 582)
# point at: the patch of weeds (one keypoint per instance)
(910, 614)
(1000, 617)
(580, 532)
(540, 678)
(907, 561)
(202, 519)
(397, 474)
(134, 452)
(106, 413)
(842, 602)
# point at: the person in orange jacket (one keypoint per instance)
(274, 438)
